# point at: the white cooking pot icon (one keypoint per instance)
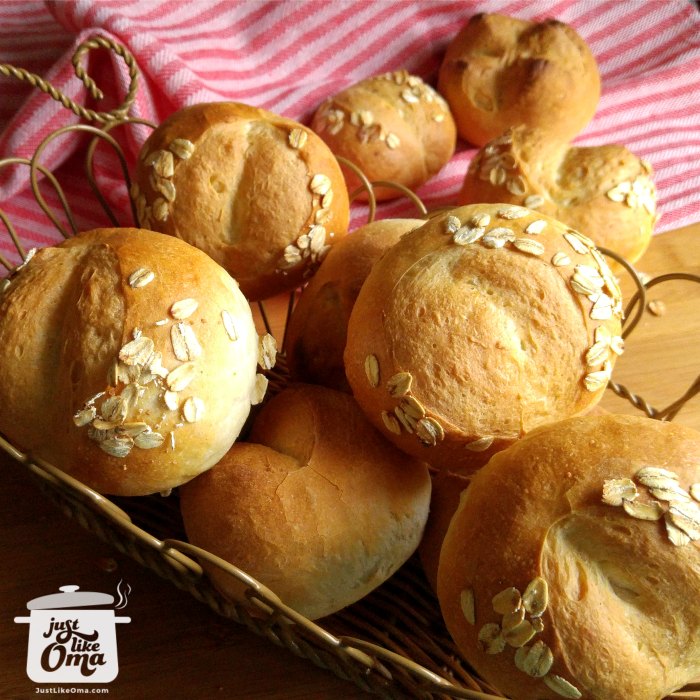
(68, 641)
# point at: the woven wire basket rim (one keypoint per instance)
(372, 667)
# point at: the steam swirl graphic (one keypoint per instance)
(123, 590)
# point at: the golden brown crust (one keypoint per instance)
(321, 508)
(260, 194)
(393, 127)
(500, 72)
(444, 499)
(454, 351)
(604, 191)
(317, 330)
(74, 313)
(619, 622)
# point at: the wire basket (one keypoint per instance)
(392, 643)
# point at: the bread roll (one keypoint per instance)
(321, 508)
(128, 360)
(393, 127)
(444, 500)
(260, 194)
(477, 327)
(317, 329)
(500, 72)
(552, 582)
(605, 191)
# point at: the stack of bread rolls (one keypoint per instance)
(473, 341)
(522, 91)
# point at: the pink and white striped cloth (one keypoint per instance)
(288, 56)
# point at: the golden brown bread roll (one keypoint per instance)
(477, 327)
(393, 127)
(321, 508)
(552, 582)
(444, 500)
(500, 72)
(128, 360)
(260, 194)
(605, 191)
(317, 329)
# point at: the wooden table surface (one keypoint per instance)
(176, 648)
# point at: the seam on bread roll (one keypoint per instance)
(321, 531)
(500, 72)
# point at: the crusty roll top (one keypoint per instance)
(393, 127)
(589, 528)
(500, 72)
(605, 191)
(475, 328)
(259, 193)
(144, 360)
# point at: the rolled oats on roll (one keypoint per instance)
(605, 191)
(317, 506)
(261, 194)
(500, 72)
(392, 126)
(479, 326)
(128, 360)
(317, 329)
(572, 566)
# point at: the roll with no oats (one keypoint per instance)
(501, 71)
(318, 506)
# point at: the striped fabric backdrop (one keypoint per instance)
(288, 56)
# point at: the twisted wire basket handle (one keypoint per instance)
(106, 119)
(95, 42)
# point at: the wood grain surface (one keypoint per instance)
(176, 648)
(662, 355)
